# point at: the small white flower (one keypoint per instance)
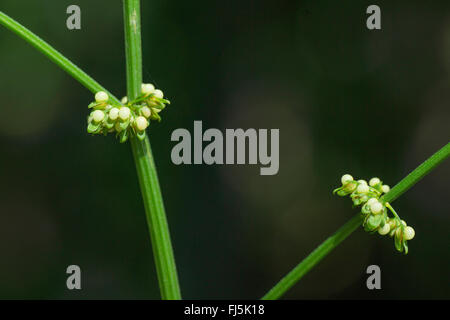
(385, 229)
(101, 96)
(124, 113)
(147, 88)
(409, 233)
(124, 100)
(141, 123)
(371, 201)
(374, 181)
(376, 207)
(114, 113)
(346, 178)
(385, 188)
(98, 115)
(146, 112)
(362, 188)
(158, 94)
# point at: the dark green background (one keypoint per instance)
(346, 100)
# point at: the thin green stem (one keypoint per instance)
(314, 258)
(421, 171)
(388, 205)
(328, 245)
(145, 165)
(54, 56)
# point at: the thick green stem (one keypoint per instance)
(148, 180)
(146, 170)
(328, 245)
(54, 56)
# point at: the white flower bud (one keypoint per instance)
(409, 233)
(158, 93)
(362, 188)
(147, 88)
(98, 115)
(385, 230)
(124, 113)
(146, 112)
(376, 207)
(346, 178)
(101, 96)
(371, 201)
(124, 100)
(362, 182)
(385, 188)
(403, 222)
(374, 181)
(114, 114)
(141, 123)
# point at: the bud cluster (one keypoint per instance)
(375, 211)
(131, 118)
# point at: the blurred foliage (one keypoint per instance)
(346, 100)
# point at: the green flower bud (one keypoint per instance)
(409, 233)
(141, 123)
(362, 188)
(384, 230)
(147, 88)
(350, 186)
(101, 96)
(158, 94)
(98, 115)
(374, 181)
(124, 113)
(346, 178)
(376, 207)
(114, 114)
(146, 112)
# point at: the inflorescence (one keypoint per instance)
(131, 118)
(374, 209)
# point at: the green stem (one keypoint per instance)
(141, 150)
(421, 171)
(388, 205)
(310, 261)
(328, 245)
(54, 56)
(146, 169)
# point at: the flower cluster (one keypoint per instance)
(375, 211)
(131, 118)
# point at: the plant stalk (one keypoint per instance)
(329, 244)
(148, 180)
(55, 56)
(145, 165)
